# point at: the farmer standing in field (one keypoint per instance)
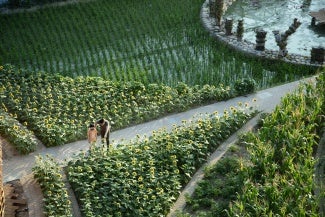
(105, 128)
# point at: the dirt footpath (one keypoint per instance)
(34, 196)
(26, 187)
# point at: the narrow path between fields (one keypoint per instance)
(18, 167)
(213, 159)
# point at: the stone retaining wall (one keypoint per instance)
(2, 198)
(245, 46)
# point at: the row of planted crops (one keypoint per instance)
(144, 178)
(146, 59)
(57, 109)
(276, 176)
(144, 41)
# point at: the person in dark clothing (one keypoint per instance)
(105, 128)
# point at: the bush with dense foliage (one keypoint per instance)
(245, 86)
(17, 134)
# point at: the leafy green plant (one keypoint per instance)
(260, 122)
(57, 108)
(245, 86)
(219, 187)
(49, 175)
(280, 178)
(275, 177)
(17, 134)
(144, 178)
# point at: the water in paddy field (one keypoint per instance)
(278, 15)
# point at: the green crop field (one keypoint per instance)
(146, 41)
(131, 61)
(275, 169)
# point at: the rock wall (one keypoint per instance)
(2, 198)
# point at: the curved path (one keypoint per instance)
(265, 101)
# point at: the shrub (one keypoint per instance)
(245, 86)
(17, 134)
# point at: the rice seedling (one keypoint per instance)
(75, 37)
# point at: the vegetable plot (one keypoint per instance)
(280, 179)
(144, 178)
(58, 109)
(48, 173)
(16, 133)
(277, 175)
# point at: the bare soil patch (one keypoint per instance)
(8, 151)
(34, 195)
